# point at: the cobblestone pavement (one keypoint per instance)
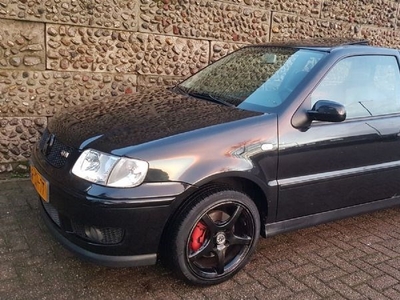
(356, 258)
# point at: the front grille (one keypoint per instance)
(53, 152)
(100, 235)
(52, 212)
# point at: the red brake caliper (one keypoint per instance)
(198, 236)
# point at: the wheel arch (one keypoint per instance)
(253, 189)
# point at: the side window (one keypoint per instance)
(365, 85)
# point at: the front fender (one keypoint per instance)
(221, 157)
(192, 169)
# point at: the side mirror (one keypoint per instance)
(326, 110)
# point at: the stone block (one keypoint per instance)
(101, 50)
(380, 13)
(18, 135)
(303, 7)
(220, 49)
(287, 26)
(381, 36)
(146, 81)
(21, 45)
(212, 20)
(340, 10)
(34, 93)
(115, 14)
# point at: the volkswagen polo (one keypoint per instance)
(268, 139)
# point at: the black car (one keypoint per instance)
(268, 139)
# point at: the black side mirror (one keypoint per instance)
(326, 110)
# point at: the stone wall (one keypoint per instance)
(60, 53)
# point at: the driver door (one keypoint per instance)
(337, 165)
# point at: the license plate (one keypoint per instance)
(41, 185)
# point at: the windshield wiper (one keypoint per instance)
(210, 98)
(204, 96)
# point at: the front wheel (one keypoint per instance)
(214, 237)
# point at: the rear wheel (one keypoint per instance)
(214, 237)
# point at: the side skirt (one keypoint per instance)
(272, 229)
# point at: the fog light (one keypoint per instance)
(98, 235)
(94, 234)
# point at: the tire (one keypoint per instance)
(214, 237)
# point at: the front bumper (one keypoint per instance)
(130, 222)
(101, 259)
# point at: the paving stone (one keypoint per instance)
(251, 291)
(330, 274)
(356, 278)
(319, 261)
(7, 271)
(309, 295)
(375, 258)
(360, 249)
(344, 290)
(342, 264)
(394, 262)
(382, 282)
(394, 272)
(392, 294)
(291, 282)
(318, 286)
(366, 267)
(328, 251)
(369, 293)
(303, 270)
(244, 277)
(280, 267)
(280, 292)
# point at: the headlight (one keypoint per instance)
(110, 170)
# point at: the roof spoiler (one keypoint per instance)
(320, 42)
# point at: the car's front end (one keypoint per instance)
(109, 181)
(107, 225)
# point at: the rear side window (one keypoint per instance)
(365, 85)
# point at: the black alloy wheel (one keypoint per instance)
(215, 237)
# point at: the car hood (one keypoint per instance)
(135, 119)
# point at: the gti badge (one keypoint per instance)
(64, 153)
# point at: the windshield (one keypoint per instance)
(253, 78)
